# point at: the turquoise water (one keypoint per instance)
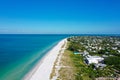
(20, 53)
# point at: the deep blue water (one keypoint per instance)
(19, 53)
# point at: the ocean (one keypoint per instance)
(19, 53)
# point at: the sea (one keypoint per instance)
(19, 53)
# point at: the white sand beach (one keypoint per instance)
(43, 69)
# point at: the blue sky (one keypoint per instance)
(60, 16)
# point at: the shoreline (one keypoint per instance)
(44, 67)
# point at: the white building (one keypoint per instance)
(100, 65)
(119, 51)
(85, 53)
(93, 59)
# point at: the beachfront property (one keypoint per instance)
(93, 59)
(96, 60)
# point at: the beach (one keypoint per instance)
(44, 67)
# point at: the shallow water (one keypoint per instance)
(20, 53)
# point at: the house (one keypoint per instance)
(90, 61)
(104, 56)
(114, 48)
(119, 51)
(93, 59)
(85, 53)
(98, 58)
(100, 65)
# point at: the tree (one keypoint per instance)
(113, 60)
(74, 47)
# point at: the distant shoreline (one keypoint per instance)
(44, 67)
(70, 34)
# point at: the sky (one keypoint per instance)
(59, 16)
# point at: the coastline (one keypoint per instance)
(44, 67)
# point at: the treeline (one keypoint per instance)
(113, 61)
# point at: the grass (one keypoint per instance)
(53, 73)
(74, 67)
(82, 70)
(67, 72)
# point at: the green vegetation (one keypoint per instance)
(82, 70)
(67, 71)
(95, 45)
(113, 61)
(85, 72)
